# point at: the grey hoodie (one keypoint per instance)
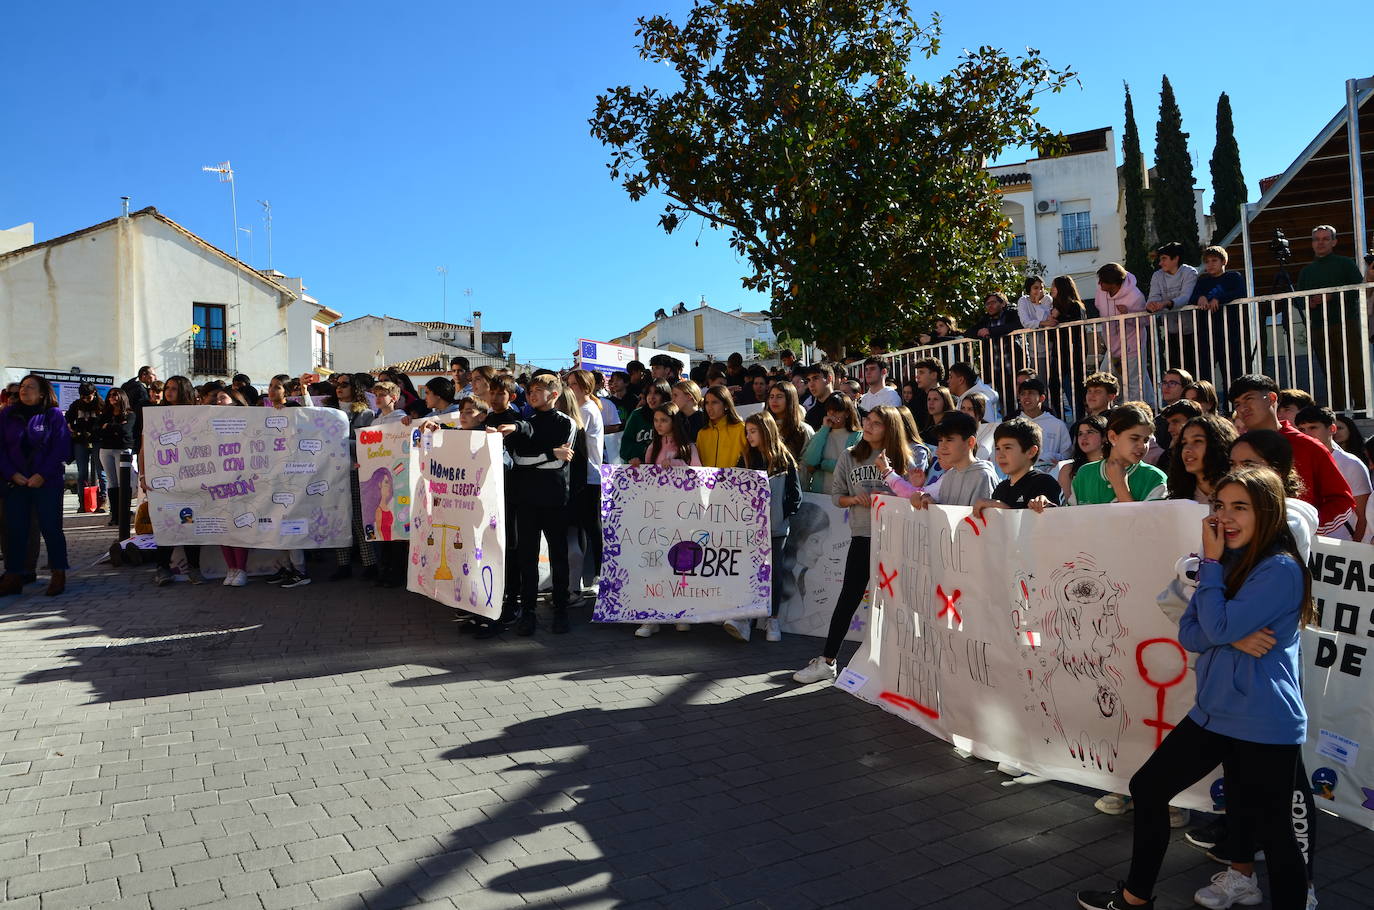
(851, 478)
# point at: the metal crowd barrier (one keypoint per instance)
(1318, 341)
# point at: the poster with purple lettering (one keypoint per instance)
(248, 477)
(683, 545)
(1040, 640)
(1337, 674)
(457, 520)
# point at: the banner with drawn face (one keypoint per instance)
(683, 545)
(1034, 639)
(457, 520)
(248, 477)
(383, 455)
(812, 570)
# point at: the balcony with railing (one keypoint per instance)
(1078, 239)
(207, 360)
(1016, 249)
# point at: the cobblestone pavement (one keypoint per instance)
(339, 746)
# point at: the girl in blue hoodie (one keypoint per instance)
(1254, 594)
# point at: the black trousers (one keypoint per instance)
(851, 595)
(1240, 843)
(551, 521)
(587, 505)
(1259, 788)
(1224, 337)
(164, 556)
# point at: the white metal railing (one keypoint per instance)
(1318, 341)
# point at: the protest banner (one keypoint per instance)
(812, 570)
(457, 520)
(1338, 680)
(683, 545)
(1035, 639)
(247, 477)
(383, 455)
(602, 356)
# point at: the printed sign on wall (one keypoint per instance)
(458, 528)
(683, 545)
(248, 477)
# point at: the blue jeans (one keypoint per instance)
(20, 504)
(88, 467)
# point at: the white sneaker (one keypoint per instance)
(774, 629)
(228, 578)
(1229, 887)
(644, 631)
(1178, 818)
(1113, 804)
(240, 578)
(816, 671)
(737, 628)
(683, 627)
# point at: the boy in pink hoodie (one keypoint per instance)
(1117, 295)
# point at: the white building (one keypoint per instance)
(141, 289)
(1067, 212)
(705, 331)
(374, 342)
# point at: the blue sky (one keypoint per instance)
(393, 139)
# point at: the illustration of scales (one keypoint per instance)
(443, 573)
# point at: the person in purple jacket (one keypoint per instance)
(34, 446)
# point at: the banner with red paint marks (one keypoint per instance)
(1039, 640)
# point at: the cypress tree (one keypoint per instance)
(1175, 214)
(1133, 170)
(1228, 183)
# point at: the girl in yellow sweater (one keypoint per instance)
(720, 443)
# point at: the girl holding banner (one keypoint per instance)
(1244, 622)
(767, 453)
(176, 391)
(856, 481)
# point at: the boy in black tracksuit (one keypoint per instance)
(500, 394)
(541, 448)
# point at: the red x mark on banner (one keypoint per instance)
(949, 601)
(885, 580)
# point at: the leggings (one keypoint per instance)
(851, 595)
(1240, 843)
(1259, 788)
(778, 544)
(234, 557)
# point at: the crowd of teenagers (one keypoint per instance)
(1275, 471)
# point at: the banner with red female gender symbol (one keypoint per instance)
(1040, 640)
(457, 520)
(684, 545)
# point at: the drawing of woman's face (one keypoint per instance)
(387, 488)
(811, 550)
